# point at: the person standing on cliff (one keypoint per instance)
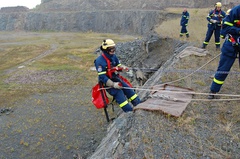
(214, 26)
(230, 50)
(184, 23)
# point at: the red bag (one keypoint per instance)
(99, 97)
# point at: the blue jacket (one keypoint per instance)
(101, 66)
(184, 19)
(215, 15)
(231, 28)
(231, 24)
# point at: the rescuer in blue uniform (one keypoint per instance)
(107, 66)
(214, 26)
(230, 49)
(184, 23)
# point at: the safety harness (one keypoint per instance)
(111, 70)
(235, 42)
(219, 16)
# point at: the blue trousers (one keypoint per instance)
(210, 31)
(227, 59)
(122, 96)
(184, 30)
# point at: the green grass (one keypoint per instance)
(201, 82)
(197, 26)
(74, 52)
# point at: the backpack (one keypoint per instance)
(100, 99)
(99, 96)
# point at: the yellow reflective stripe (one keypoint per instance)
(217, 81)
(133, 97)
(218, 43)
(205, 42)
(101, 73)
(227, 23)
(235, 21)
(119, 64)
(123, 103)
(221, 36)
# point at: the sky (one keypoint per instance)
(12, 3)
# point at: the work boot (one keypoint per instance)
(136, 101)
(217, 48)
(187, 35)
(203, 46)
(211, 95)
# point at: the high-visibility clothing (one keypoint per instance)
(214, 27)
(184, 23)
(230, 28)
(122, 96)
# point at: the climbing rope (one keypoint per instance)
(190, 73)
(183, 92)
(193, 93)
(185, 71)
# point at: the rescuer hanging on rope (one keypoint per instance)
(108, 67)
(230, 49)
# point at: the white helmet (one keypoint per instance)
(107, 43)
(218, 4)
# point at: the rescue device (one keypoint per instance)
(100, 99)
(99, 96)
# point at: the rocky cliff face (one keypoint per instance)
(120, 4)
(127, 22)
(149, 134)
(110, 16)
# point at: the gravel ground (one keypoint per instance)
(56, 121)
(57, 124)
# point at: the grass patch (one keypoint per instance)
(74, 51)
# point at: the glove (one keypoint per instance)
(213, 21)
(117, 85)
(125, 68)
